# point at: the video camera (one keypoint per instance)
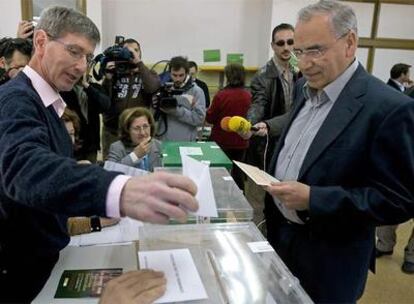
(122, 57)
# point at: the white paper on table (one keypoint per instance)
(183, 280)
(199, 173)
(261, 246)
(123, 232)
(190, 151)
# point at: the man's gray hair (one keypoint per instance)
(342, 16)
(58, 21)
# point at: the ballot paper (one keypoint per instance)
(183, 280)
(260, 177)
(190, 151)
(199, 173)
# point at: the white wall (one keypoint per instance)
(10, 17)
(230, 25)
(168, 28)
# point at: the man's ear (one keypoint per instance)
(40, 40)
(351, 43)
(2, 62)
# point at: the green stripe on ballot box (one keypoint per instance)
(207, 151)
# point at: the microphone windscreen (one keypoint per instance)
(239, 124)
(224, 123)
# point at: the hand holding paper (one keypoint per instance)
(199, 173)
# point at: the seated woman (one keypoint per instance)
(136, 146)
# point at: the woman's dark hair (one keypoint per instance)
(126, 119)
(235, 75)
(71, 116)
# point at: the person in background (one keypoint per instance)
(15, 53)
(193, 73)
(41, 184)
(178, 121)
(272, 91)
(132, 88)
(233, 100)
(87, 100)
(81, 224)
(137, 146)
(400, 77)
(344, 163)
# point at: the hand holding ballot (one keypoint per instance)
(143, 286)
(292, 194)
(157, 197)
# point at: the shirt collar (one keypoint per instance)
(48, 95)
(279, 67)
(335, 88)
(399, 84)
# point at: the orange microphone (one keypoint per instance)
(224, 123)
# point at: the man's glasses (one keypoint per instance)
(74, 50)
(143, 128)
(315, 52)
(283, 42)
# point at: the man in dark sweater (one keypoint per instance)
(41, 185)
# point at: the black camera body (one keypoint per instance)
(164, 98)
(122, 58)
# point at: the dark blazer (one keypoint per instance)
(391, 83)
(40, 186)
(360, 167)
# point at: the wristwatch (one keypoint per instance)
(95, 223)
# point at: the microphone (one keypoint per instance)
(224, 123)
(237, 124)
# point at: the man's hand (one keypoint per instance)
(143, 148)
(136, 54)
(262, 129)
(261, 132)
(25, 29)
(157, 197)
(292, 194)
(140, 287)
(110, 69)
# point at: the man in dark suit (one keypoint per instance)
(40, 184)
(399, 75)
(345, 161)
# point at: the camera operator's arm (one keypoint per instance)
(108, 81)
(25, 29)
(190, 112)
(150, 79)
(98, 101)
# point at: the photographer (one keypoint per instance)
(179, 119)
(127, 88)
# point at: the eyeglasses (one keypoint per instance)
(315, 52)
(143, 128)
(283, 42)
(74, 50)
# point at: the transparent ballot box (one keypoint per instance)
(234, 261)
(232, 205)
